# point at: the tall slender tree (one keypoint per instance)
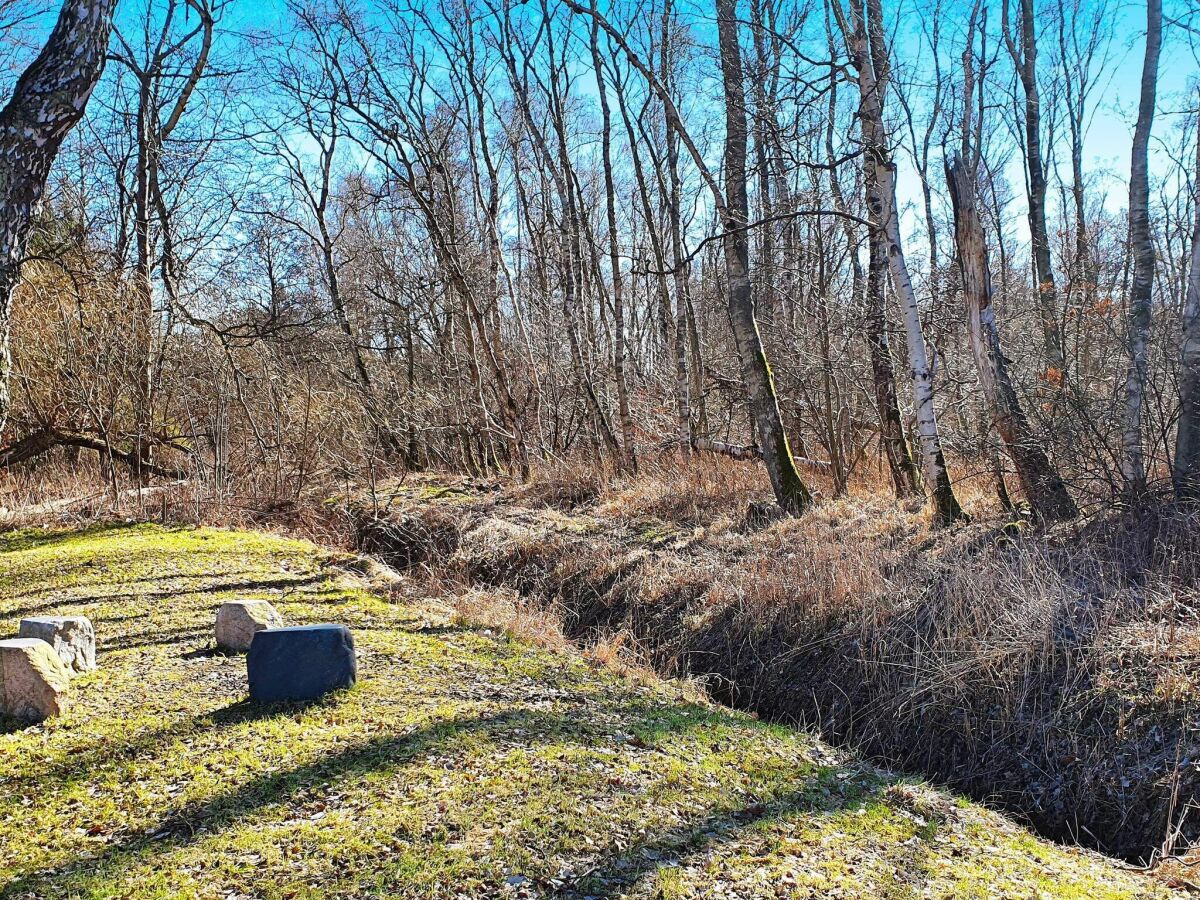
(733, 209)
(1043, 487)
(790, 491)
(1024, 52)
(866, 42)
(1187, 443)
(169, 58)
(628, 455)
(1141, 248)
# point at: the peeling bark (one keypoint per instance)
(1043, 487)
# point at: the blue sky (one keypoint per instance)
(1108, 139)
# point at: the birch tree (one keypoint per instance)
(866, 43)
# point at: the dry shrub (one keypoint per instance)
(621, 653)
(693, 491)
(511, 613)
(424, 537)
(561, 486)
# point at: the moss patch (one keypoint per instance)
(464, 764)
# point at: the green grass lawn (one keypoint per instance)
(464, 764)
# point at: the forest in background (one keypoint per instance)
(866, 242)
(842, 358)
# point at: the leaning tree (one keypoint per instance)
(46, 104)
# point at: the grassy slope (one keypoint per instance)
(463, 764)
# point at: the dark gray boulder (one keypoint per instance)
(300, 663)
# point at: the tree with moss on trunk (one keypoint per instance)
(732, 207)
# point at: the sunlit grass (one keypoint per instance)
(465, 762)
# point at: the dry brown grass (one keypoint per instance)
(1056, 672)
(60, 494)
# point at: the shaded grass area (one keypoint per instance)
(464, 764)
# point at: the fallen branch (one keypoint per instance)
(46, 439)
(736, 451)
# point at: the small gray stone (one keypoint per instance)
(34, 683)
(239, 620)
(71, 637)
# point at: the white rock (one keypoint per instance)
(34, 683)
(239, 620)
(71, 637)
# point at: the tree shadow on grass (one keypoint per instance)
(712, 831)
(208, 586)
(26, 539)
(187, 823)
(247, 710)
(111, 753)
(156, 638)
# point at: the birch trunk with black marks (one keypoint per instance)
(905, 480)
(1141, 247)
(1043, 486)
(1186, 472)
(869, 57)
(47, 102)
(873, 289)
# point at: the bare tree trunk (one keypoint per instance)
(1040, 481)
(733, 209)
(1187, 441)
(873, 288)
(47, 102)
(614, 256)
(790, 491)
(1024, 58)
(1079, 80)
(153, 77)
(678, 264)
(1141, 247)
(869, 57)
(143, 330)
(883, 375)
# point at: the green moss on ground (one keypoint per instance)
(464, 764)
